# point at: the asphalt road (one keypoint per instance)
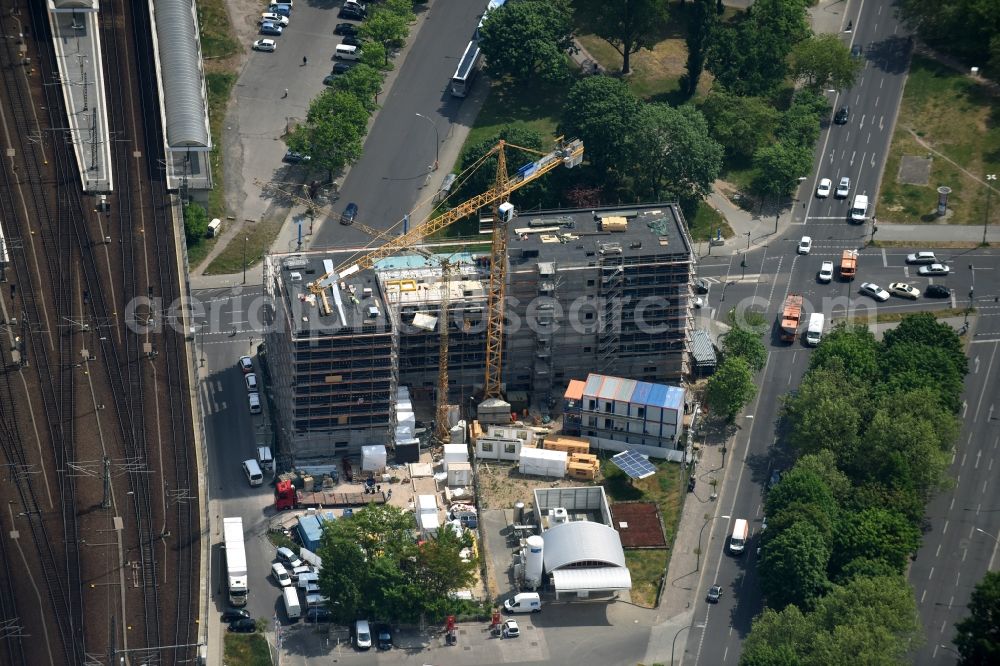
(401, 147)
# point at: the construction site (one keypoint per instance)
(496, 329)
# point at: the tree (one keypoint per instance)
(978, 638)
(746, 344)
(401, 8)
(701, 24)
(363, 81)
(673, 153)
(195, 223)
(825, 414)
(802, 496)
(874, 534)
(924, 328)
(778, 638)
(909, 365)
(385, 28)
(966, 28)
(333, 131)
(600, 110)
(793, 567)
(730, 388)
(779, 166)
(378, 569)
(740, 124)
(527, 40)
(824, 61)
(823, 464)
(484, 176)
(853, 349)
(800, 123)
(627, 25)
(749, 57)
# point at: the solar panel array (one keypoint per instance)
(633, 464)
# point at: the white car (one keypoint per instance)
(825, 185)
(274, 18)
(698, 302)
(904, 290)
(924, 257)
(510, 629)
(875, 291)
(280, 575)
(805, 245)
(844, 188)
(246, 364)
(251, 382)
(826, 271)
(934, 269)
(286, 556)
(264, 45)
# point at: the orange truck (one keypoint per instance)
(848, 264)
(791, 315)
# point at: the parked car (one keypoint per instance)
(510, 629)
(287, 557)
(270, 28)
(292, 157)
(280, 574)
(842, 115)
(319, 615)
(875, 291)
(264, 45)
(253, 399)
(714, 594)
(856, 51)
(844, 188)
(233, 614)
(362, 635)
(244, 625)
(701, 286)
(937, 291)
(251, 382)
(774, 479)
(934, 269)
(349, 214)
(274, 17)
(383, 637)
(904, 290)
(346, 29)
(350, 13)
(826, 271)
(805, 245)
(823, 191)
(350, 40)
(246, 364)
(922, 257)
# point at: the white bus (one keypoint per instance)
(493, 4)
(468, 67)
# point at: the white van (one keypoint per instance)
(738, 541)
(292, 606)
(814, 333)
(859, 211)
(214, 227)
(362, 635)
(254, 401)
(264, 458)
(524, 602)
(345, 52)
(252, 470)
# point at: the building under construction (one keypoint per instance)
(605, 290)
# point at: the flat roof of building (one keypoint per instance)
(574, 236)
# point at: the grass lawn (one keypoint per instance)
(536, 106)
(705, 223)
(667, 490)
(219, 85)
(197, 253)
(956, 118)
(247, 650)
(217, 39)
(259, 235)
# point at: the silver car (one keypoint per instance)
(934, 269)
(844, 188)
(875, 291)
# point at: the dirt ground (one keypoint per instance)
(501, 485)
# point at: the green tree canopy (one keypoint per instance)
(363, 81)
(601, 111)
(824, 61)
(978, 637)
(627, 25)
(674, 153)
(779, 166)
(527, 40)
(195, 223)
(333, 131)
(852, 348)
(924, 328)
(485, 175)
(730, 388)
(823, 464)
(740, 124)
(746, 344)
(825, 413)
(909, 365)
(874, 534)
(702, 23)
(793, 567)
(969, 29)
(385, 28)
(800, 123)
(802, 495)
(378, 569)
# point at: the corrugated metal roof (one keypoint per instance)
(310, 529)
(640, 395)
(597, 578)
(575, 389)
(593, 386)
(674, 398)
(702, 348)
(581, 541)
(180, 69)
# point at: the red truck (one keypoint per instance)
(286, 496)
(791, 314)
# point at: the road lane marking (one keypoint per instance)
(988, 369)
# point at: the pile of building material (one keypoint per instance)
(407, 444)
(583, 466)
(568, 444)
(427, 515)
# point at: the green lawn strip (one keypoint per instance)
(197, 253)
(219, 85)
(706, 222)
(957, 118)
(247, 650)
(937, 245)
(260, 236)
(890, 317)
(535, 106)
(217, 39)
(647, 567)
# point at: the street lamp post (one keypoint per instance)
(437, 140)
(244, 260)
(673, 643)
(972, 294)
(997, 540)
(990, 178)
(697, 566)
(777, 203)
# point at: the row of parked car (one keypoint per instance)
(273, 23)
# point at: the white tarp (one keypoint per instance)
(455, 453)
(427, 504)
(373, 458)
(459, 474)
(542, 462)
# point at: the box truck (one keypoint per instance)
(814, 333)
(292, 606)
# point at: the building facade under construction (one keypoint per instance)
(605, 290)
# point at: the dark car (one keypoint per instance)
(701, 286)
(350, 40)
(244, 625)
(349, 13)
(383, 637)
(293, 157)
(843, 113)
(349, 214)
(233, 614)
(346, 29)
(856, 51)
(319, 615)
(937, 291)
(774, 480)
(714, 594)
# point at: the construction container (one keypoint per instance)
(568, 444)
